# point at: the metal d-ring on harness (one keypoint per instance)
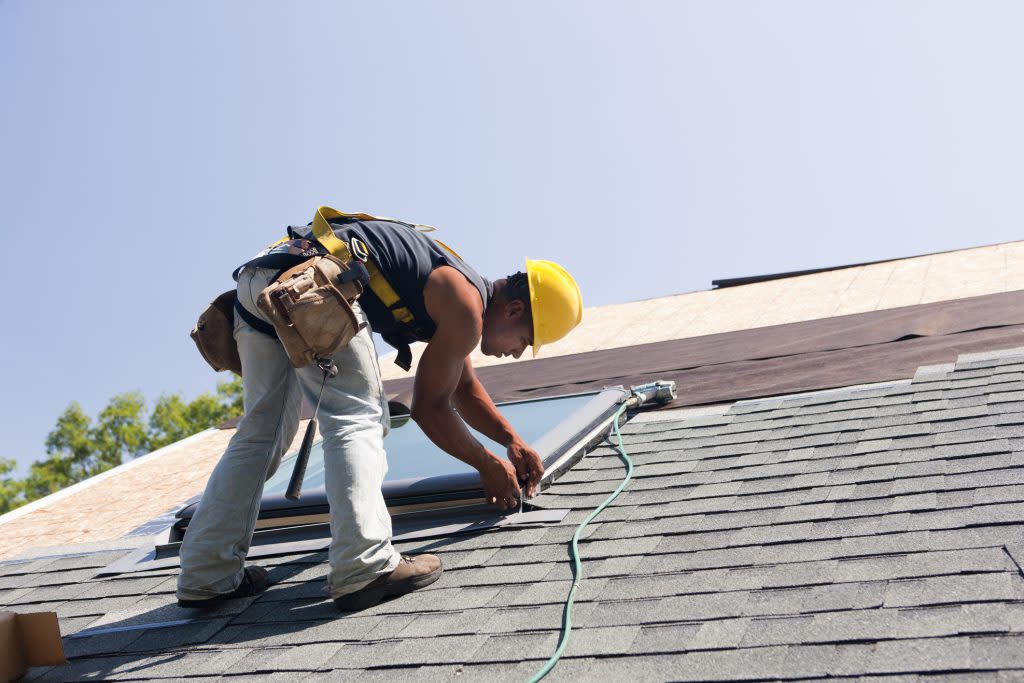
(330, 369)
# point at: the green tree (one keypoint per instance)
(120, 432)
(69, 448)
(173, 419)
(10, 488)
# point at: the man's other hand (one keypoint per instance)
(500, 486)
(529, 466)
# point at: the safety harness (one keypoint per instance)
(353, 252)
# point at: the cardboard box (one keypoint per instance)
(28, 640)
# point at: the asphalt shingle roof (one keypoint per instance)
(874, 531)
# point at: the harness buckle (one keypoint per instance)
(359, 250)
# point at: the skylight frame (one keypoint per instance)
(433, 493)
(421, 508)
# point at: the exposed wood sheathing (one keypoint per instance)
(111, 507)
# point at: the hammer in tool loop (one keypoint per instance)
(330, 369)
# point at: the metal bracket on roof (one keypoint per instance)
(654, 392)
(106, 630)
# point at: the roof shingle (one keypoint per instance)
(862, 532)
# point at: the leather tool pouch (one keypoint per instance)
(214, 334)
(309, 306)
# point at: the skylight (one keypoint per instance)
(422, 477)
(429, 494)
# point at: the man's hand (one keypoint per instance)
(500, 485)
(529, 467)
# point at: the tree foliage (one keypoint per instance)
(173, 419)
(79, 447)
(10, 488)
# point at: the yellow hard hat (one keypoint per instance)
(555, 301)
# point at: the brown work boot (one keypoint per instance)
(411, 573)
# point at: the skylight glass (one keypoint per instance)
(411, 455)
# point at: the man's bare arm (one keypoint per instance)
(455, 306)
(478, 410)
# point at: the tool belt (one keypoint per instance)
(310, 307)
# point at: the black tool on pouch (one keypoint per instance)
(330, 369)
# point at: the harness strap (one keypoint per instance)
(256, 323)
(298, 252)
(378, 284)
(281, 262)
(383, 290)
(325, 235)
(387, 295)
(404, 357)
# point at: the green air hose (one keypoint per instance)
(577, 569)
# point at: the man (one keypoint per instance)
(419, 290)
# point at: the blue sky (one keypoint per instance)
(148, 148)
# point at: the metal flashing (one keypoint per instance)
(753, 279)
(102, 631)
(723, 283)
(311, 538)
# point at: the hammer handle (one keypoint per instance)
(295, 485)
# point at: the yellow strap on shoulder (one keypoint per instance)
(325, 234)
(381, 288)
